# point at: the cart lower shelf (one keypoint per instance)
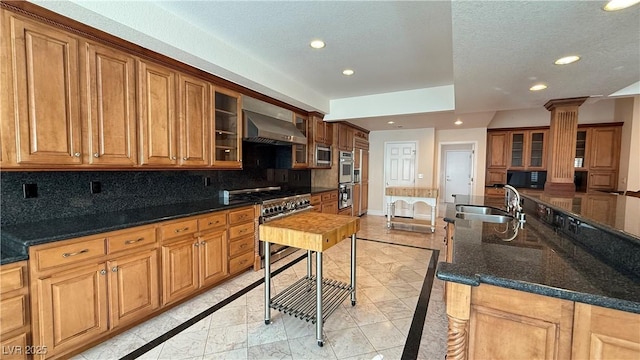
(299, 299)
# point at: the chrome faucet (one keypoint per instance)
(513, 202)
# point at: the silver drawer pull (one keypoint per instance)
(181, 230)
(213, 222)
(66, 255)
(129, 242)
(243, 245)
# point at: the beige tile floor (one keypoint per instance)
(389, 280)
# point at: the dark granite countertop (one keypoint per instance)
(16, 239)
(536, 258)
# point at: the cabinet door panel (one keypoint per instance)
(195, 121)
(364, 200)
(605, 147)
(497, 149)
(179, 269)
(46, 82)
(73, 308)
(111, 113)
(213, 258)
(133, 287)
(158, 133)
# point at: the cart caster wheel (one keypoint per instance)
(267, 322)
(353, 303)
(320, 343)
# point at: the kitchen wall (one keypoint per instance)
(589, 113)
(628, 110)
(65, 194)
(425, 139)
(477, 137)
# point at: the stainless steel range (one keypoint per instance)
(274, 203)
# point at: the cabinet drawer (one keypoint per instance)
(493, 191)
(177, 229)
(241, 230)
(327, 196)
(17, 342)
(316, 199)
(240, 246)
(131, 240)
(12, 277)
(13, 313)
(241, 262)
(69, 254)
(212, 221)
(239, 216)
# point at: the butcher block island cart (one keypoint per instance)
(314, 232)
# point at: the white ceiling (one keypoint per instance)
(490, 51)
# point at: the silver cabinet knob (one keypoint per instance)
(76, 154)
(173, 158)
(203, 243)
(96, 155)
(196, 244)
(103, 272)
(114, 269)
(184, 158)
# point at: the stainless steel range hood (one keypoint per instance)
(266, 129)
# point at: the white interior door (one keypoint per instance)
(458, 170)
(400, 170)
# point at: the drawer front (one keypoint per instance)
(213, 221)
(241, 262)
(241, 230)
(12, 277)
(13, 313)
(316, 199)
(15, 348)
(131, 240)
(334, 195)
(327, 196)
(177, 229)
(240, 246)
(70, 254)
(239, 216)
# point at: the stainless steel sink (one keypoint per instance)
(490, 218)
(480, 210)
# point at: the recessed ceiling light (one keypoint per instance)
(458, 122)
(317, 44)
(614, 5)
(347, 72)
(538, 87)
(390, 122)
(567, 60)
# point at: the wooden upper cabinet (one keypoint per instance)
(528, 150)
(157, 117)
(322, 131)
(582, 156)
(195, 121)
(345, 137)
(301, 152)
(604, 148)
(497, 149)
(46, 118)
(227, 152)
(110, 105)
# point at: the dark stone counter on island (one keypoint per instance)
(547, 258)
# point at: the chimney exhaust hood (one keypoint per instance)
(270, 130)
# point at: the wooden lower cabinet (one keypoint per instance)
(490, 322)
(179, 269)
(72, 308)
(600, 333)
(213, 259)
(15, 324)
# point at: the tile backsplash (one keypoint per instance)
(65, 194)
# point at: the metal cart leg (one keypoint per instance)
(389, 210)
(353, 269)
(309, 263)
(319, 336)
(267, 283)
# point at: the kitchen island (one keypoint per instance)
(315, 233)
(548, 289)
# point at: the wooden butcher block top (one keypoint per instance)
(310, 231)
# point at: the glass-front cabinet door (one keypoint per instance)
(517, 150)
(300, 154)
(227, 150)
(536, 150)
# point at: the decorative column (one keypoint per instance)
(458, 312)
(562, 145)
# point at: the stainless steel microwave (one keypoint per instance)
(323, 155)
